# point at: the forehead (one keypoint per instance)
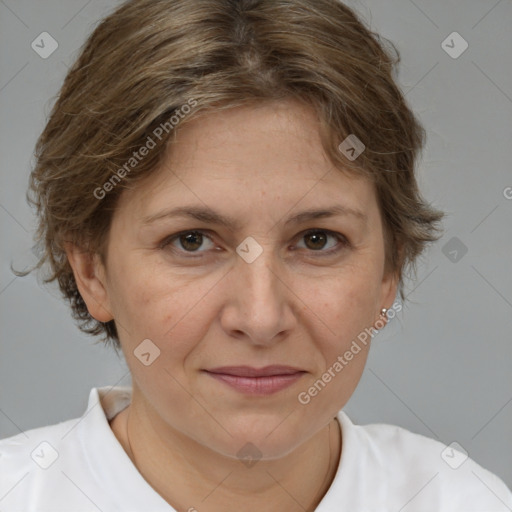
(252, 155)
(257, 140)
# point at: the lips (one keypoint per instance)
(248, 371)
(257, 381)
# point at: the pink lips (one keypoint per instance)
(257, 381)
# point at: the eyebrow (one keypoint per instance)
(208, 215)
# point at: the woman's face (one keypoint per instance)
(259, 291)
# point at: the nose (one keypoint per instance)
(260, 306)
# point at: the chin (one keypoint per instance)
(267, 439)
(250, 450)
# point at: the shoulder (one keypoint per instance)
(38, 469)
(22, 455)
(426, 470)
(65, 465)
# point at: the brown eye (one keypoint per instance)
(188, 242)
(191, 241)
(317, 240)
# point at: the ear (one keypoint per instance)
(90, 277)
(389, 285)
(389, 289)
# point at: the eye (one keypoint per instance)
(189, 241)
(317, 241)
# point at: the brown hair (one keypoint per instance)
(150, 58)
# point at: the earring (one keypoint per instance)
(383, 312)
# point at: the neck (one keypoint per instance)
(190, 476)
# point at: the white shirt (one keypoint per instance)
(80, 466)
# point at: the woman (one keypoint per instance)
(226, 193)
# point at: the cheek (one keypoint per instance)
(139, 300)
(151, 303)
(340, 314)
(343, 301)
(355, 307)
(350, 317)
(346, 308)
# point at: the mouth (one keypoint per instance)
(257, 381)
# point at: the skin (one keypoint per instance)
(211, 308)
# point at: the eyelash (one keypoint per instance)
(343, 242)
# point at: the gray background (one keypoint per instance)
(442, 369)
